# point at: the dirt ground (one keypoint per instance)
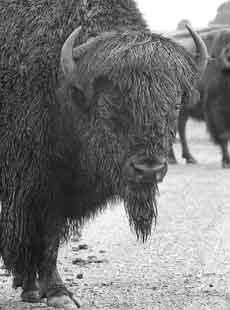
(185, 265)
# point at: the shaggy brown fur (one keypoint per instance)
(120, 56)
(62, 150)
(216, 94)
(100, 16)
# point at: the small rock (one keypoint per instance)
(79, 261)
(107, 284)
(90, 260)
(95, 260)
(80, 247)
(79, 276)
(83, 246)
(5, 274)
(92, 257)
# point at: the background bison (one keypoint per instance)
(217, 94)
(212, 103)
(75, 136)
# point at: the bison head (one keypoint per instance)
(131, 84)
(220, 49)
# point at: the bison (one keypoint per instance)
(199, 107)
(87, 116)
(217, 94)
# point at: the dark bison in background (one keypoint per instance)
(210, 101)
(217, 94)
(87, 116)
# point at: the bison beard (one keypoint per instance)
(141, 208)
(55, 142)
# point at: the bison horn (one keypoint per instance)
(70, 54)
(202, 52)
(67, 62)
(225, 58)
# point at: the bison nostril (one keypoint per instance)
(156, 171)
(149, 169)
(141, 172)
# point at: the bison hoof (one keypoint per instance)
(191, 160)
(31, 296)
(225, 165)
(64, 302)
(172, 161)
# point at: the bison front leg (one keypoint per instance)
(182, 121)
(225, 154)
(51, 284)
(17, 246)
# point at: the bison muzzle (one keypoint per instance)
(87, 117)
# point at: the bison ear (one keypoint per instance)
(71, 56)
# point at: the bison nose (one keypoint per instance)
(144, 171)
(150, 173)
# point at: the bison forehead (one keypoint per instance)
(129, 54)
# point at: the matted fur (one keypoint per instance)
(31, 36)
(124, 53)
(108, 15)
(61, 159)
(217, 90)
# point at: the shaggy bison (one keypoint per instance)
(210, 99)
(217, 94)
(87, 116)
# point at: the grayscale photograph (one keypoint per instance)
(114, 155)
